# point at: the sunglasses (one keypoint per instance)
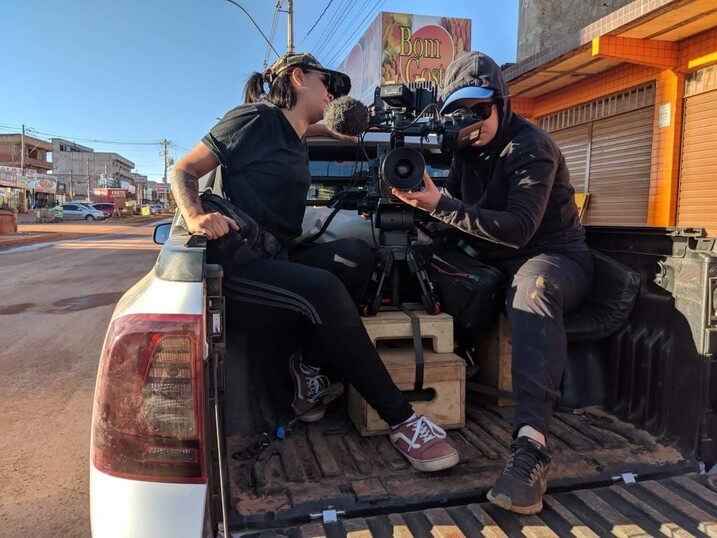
(325, 80)
(483, 110)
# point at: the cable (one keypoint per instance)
(359, 28)
(272, 34)
(317, 22)
(255, 25)
(332, 30)
(349, 24)
(329, 27)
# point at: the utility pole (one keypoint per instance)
(71, 193)
(22, 150)
(290, 24)
(89, 186)
(165, 154)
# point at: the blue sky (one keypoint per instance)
(130, 73)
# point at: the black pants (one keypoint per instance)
(322, 284)
(541, 289)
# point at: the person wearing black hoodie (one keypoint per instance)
(510, 193)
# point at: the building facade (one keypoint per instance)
(632, 100)
(23, 172)
(84, 169)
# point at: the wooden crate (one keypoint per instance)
(494, 352)
(445, 373)
(396, 325)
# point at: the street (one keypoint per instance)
(56, 303)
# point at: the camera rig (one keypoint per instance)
(402, 111)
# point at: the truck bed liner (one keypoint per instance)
(327, 464)
(680, 506)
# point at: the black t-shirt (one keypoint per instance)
(265, 166)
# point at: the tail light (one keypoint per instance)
(148, 421)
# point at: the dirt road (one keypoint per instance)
(55, 304)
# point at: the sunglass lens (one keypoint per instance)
(483, 110)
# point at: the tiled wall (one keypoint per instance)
(694, 53)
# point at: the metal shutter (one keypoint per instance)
(620, 161)
(697, 202)
(575, 146)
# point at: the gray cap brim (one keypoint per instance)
(469, 92)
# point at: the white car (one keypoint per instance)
(77, 211)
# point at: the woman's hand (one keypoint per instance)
(210, 225)
(427, 199)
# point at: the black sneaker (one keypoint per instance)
(524, 480)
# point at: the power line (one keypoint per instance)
(317, 22)
(359, 28)
(272, 34)
(341, 14)
(255, 25)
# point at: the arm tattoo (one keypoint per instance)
(186, 190)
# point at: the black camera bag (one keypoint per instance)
(250, 239)
(469, 290)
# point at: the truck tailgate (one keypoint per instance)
(678, 506)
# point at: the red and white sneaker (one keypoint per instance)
(424, 444)
(308, 382)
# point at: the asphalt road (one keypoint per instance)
(56, 301)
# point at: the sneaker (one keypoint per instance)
(424, 445)
(308, 382)
(524, 480)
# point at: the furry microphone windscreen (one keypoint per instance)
(347, 116)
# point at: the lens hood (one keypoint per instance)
(403, 169)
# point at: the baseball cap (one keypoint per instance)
(339, 84)
(472, 76)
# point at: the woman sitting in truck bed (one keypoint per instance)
(260, 146)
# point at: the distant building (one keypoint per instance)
(24, 180)
(36, 151)
(84, 169)
(140, 183)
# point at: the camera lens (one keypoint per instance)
(403, 169)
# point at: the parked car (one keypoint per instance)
(107, 208)
(76, 211)
(156, 208)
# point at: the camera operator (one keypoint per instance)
(260, 146)
(510, 193)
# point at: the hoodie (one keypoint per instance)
(513, 197)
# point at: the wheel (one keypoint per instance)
(89, 217)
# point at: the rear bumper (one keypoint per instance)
(124, 508)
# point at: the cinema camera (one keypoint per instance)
(402, 111)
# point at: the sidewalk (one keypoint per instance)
(30, 232)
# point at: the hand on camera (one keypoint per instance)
(211, 225)
(427, 199)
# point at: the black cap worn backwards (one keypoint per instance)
(339, 83)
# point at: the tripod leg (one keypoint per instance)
(428, 294)
(371, 308)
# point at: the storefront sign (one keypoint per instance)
(400, 47)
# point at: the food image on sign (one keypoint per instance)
(400, 47)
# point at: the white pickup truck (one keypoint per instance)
(187, 405)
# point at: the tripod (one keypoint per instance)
(397, 231)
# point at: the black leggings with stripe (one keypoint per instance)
(323, 283)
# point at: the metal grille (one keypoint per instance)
(608, 106)
(701, 81)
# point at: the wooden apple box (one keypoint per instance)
(444, 378)
(396, 325)
(494, 355)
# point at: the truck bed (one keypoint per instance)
(328, 464)
(680, 506)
